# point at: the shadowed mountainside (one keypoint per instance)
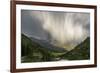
(35, 50)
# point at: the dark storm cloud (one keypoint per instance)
(31, 26)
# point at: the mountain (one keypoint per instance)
(80, 52)
(47, 45)
(36, 50)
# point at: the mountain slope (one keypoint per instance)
(81, 52)
(47, 45)
(33, 50)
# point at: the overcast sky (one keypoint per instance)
(66, 28)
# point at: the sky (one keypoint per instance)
(63, 29)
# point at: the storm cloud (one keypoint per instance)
(63, 29)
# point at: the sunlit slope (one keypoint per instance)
(80, 52)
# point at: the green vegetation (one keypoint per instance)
(81, 52)
(34, 52)
(31, 51)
